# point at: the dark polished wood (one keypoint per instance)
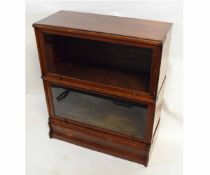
(102, 76)
(112, 25)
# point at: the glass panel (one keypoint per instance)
(117, 65)
(104, 112)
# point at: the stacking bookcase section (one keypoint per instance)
(117, 65)
(104, 78)
(119, 116)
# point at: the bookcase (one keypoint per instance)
(104, 79)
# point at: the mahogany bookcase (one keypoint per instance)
(103, 79)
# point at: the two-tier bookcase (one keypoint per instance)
(104, 78)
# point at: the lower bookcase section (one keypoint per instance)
(114, 126)
(125, 149)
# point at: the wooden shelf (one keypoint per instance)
(125, 80)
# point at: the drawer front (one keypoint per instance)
(79, 136)
(122, 117)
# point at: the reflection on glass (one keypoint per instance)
(107, 113)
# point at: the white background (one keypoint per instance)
(196, 87)
(45, 156)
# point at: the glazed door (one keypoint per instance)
(118, 116)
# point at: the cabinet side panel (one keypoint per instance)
(164, 60)
(154, 111)
(149, 153)
(38, 43)
(158, 108)
(149, 123)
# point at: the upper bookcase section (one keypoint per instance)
(144, 31)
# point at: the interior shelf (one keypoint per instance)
(105, 76)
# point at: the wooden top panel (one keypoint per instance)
(104, 24)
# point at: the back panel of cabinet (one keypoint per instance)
(117, 65)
